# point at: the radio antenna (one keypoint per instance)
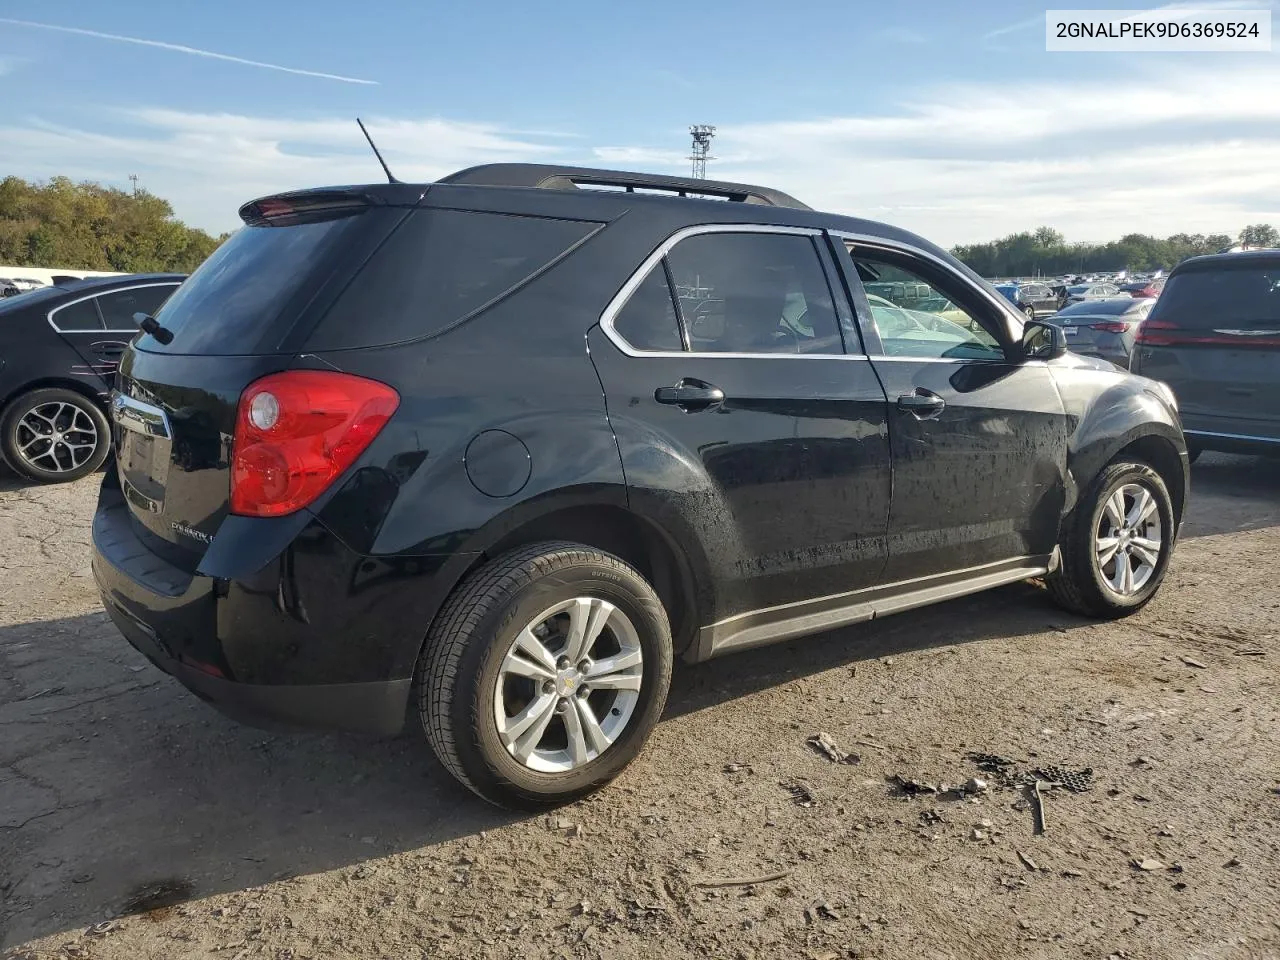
(374, 147)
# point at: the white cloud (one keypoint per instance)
(1157, 152)
(1163, 149)
(209, 164)
(182, 48)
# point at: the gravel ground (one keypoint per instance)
(135, 822)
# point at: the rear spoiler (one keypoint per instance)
(327, 202)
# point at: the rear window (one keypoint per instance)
(1095, 308)
(1240, 297)
(248, 294)
(438, 268)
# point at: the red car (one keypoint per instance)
(1149, 288)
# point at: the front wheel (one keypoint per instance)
(544, 674)
(54, 435)
(1117, 544)
(1029, 312)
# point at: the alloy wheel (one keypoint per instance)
(1128, 539)
(56, 437)
(568, 685)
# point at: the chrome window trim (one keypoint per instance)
(641, 273)
(1004, 309)
(103, 293)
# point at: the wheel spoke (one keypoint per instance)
(522, 667)
(1115, 509)
(1122, 576)
(575, 736)
(587, 618)
(1148, 551)
(1144, 504)
(524, 731)
(1107, 547)
(535, 651)
(586, 719)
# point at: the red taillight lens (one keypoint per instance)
(296, 432)
(1112, 326)
(1163, 333)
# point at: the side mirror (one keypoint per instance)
(1042, 341)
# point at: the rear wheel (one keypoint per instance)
(1029, 312)
(1117, 544)
(544, 674)
(54, 435)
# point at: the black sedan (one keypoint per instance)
(59, 349)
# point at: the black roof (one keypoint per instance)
(1241, 258)
(89, 284)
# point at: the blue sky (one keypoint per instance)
(946, 118)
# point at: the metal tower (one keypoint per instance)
(702, 134)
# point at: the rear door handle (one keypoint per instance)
(690, 394)
(923, 404)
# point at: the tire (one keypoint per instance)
(1029, 313)
(59, 460)
(1081, 584)
(462, 680)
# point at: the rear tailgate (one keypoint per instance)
(176, 396)
(1214, 336)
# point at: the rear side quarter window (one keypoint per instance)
(437, 269)
(76, 317)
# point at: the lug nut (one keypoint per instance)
(584, 666)
(583, 692)
(562, 663)
(548, 686)
(563, 704)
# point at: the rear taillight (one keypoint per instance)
(298, 431)
(1163, 333)
(1112, 326)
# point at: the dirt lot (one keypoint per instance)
(137, 823)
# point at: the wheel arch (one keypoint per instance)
(55, 383)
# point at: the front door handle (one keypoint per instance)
(922, 404)
(689, 394)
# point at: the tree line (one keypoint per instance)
(1045, 252)
(86, 226)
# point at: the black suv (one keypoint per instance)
(1214, 336)
(59, 347)
(493, 451)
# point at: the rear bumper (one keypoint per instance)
(231, 643)
(377, 708)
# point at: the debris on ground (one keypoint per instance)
(738, 768)
(826, 745)
(1027, 861)
(991, 762)
(1077, 781)
(712, 884)
(1041, 822)
(931, 816)
(1193, 662)
(801, 792)
(977, 834)
(1148, 864)
(912, 786)
(976, 785)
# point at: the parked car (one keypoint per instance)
(1103, 328)
(1144, 289)
(59, 348)
(1214, 337)
(1033, 300)
(1091, 291)
(498, 449)
(8, 288)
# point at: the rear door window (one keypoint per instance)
(648, 320)
(437, 269)
(1240, 298)
(119, 307)
(754, 293)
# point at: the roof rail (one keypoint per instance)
(554, 177)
